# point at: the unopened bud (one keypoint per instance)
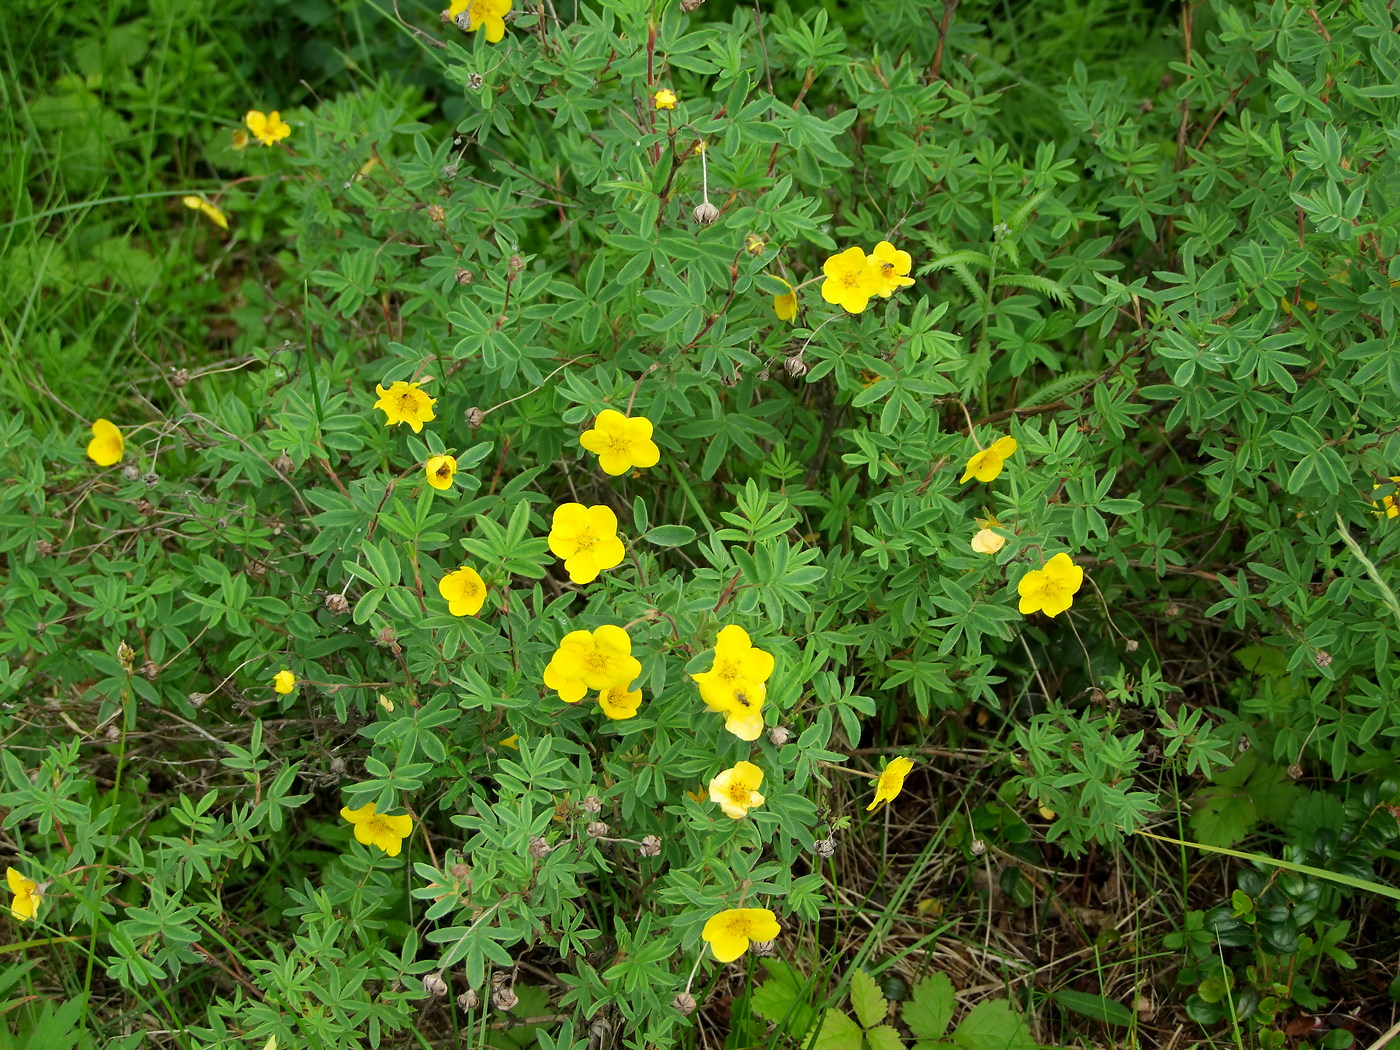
(337, 604)
(126, 656)
(515, 263)
(539, 847)
(131, 471)
(779, 735)
(468, 1001)
(387, 638)
(597, 829)
(592, 804)
(474, 417)
(764, 948)
(459, 870)
(754, 243)
(826, 848)
(436, 212)
(504, 999)
(705, 213)
(978, 847)
(434, 985)
(650, 847)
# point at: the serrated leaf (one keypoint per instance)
(838, 1032)
(994, 1025)
(671, 535)
(779, 997)
(930, 1007)
(870, 1006)
(883, 1037)
(1099, 1007)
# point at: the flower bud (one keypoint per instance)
(685, 1003)
(779, 735)
(705, 213)
(650, 847)
(434, 985)
(504, 998)
(387, 638)
(459, 870)
(126, 656)
(597, 829)
(474, 417)
(337, 604)
(754, 243)
(468, 1001)
(539, 847)
(515, 264)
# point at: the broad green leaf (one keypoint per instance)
(870, 1006)
(930, 1007)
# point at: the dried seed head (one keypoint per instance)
(539, 847)
(149, 670)
(145, 508)
(1097, 696)
(256, 569)
(474, 81)
(1243, 744)
(688, 7)
(197, 699)
(434, 985)
(283, 464)
(650, 847)
(465, 277)
(826, 848)
(1295, 772)
(449, 171)
(1322, 658)
(504, 999)
(779, 735)
(764, 948)
(131, 471)
(515, 264)
(150, 479)
(499, 979)
(978, 847)
(113, 734)
(387, 638)
(468, 1001)
(459, 870)
(337, 765)
(337, 604)
(592, 804)
(474, 417)
(795, 366)
(463, 21)
(436, 212)
(126, 656)
(179, 377)
(685, 1003)
(705, 213)
(597, 829)
(1173, 610)
(1131, 645)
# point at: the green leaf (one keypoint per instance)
(870, 1006)
(1099, 1007)
(994, 1025)
(883, 1037)
(930, 1007)
(671, 535)
(838, 1032)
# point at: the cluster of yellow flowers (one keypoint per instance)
(1049, 589)
(852, 277)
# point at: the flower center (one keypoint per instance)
(408, 403)
(619, 445)
(584, 541)
(444, 471)
(596, 662)
(739, 793)
(741, 698)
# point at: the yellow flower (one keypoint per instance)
(268, 128)
(734, 683)
(440, 470)
(987, 464)
(985, 541)
(405, 403)
(284, 682)
(892, 266)
(587, 660)
(586, 538)
(471, 15)
(730, 932)
(736, 790)
(1051, 589)
(209, 211)
(785, 305)
(851, 279)
(619, 702)
(512, 742)
(755, 243)
(621, 442)
(28, 896)
(665, 99)
(379, 829)
(1387, 502)
(464, 591)
(107, 444)
(891, 781)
